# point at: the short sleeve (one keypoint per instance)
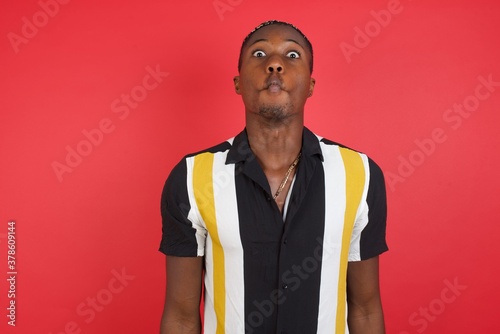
(180, 237)
(369, 235)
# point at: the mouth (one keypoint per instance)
(273, 84)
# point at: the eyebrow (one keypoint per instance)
(287, 40)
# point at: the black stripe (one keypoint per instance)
(178, 236)
(373, 241)
(277, 253)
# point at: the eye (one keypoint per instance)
(293, 54)
(259, 54)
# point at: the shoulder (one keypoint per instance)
(221, 147)
(332, 147)
(176, 181)
(330, 143)
(179, 170)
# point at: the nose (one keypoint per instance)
(275, 65)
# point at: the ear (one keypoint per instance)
(236, 81)
(312, 82)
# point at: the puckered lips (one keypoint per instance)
(273, 84)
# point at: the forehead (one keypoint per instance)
(277, 33)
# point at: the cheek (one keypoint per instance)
(247, 91)
(247, 85)
(301, 85)
(245, 82)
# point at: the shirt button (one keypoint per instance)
(284, 286)
(285, 241)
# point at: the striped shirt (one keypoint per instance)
(263, 273)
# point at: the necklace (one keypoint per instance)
(287, 175)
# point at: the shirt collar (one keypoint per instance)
(240, 149)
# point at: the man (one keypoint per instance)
(284, 226)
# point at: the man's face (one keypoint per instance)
(275, 79)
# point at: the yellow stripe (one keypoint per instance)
(204, 195)
(355, 182)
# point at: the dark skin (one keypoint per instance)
(274, 82)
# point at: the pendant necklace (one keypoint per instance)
(287, 175)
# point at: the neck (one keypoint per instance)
(276, 146)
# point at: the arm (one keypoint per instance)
(181, 314)
(365, 315)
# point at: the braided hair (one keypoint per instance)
(267, 23)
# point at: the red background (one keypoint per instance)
(103, 216)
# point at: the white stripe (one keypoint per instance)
(361, 217)
(335, 202)
(210, 321)
(194, 214)
(287, 199)
(229, 235)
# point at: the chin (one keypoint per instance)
(275, 112)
